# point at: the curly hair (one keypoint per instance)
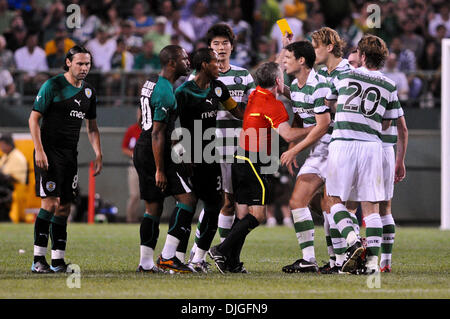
(374, 49)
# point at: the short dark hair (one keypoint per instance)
(7, 138)
(72, 51)
(169, 52)
(220, 30)
(200, 56)
(266, 74)
(303, 49)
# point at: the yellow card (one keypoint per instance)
(284, 26)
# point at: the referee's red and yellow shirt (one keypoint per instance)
(262, 114)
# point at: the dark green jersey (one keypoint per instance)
(198, 109)
(64, 107)
(157, 104)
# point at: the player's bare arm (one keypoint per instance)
(402, 143)
(35, 130)
(158, 140)
(94, 139)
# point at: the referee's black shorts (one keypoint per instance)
(249, 185)
(177, 179)
(61, 178)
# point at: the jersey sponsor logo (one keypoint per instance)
(88, 92)
(50, 186)
(237, 93)
(206, 115)
(237, 80)
(218, 91)
(77, 114)
(303, 110)
(78, 102)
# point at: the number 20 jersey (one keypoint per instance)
(365, 99)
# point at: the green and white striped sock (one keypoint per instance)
(355, 223)
(338, 242)
(344, 223)
(224, 226)
(387, 241)
(326, 227)
(374, 232)
(304, 229)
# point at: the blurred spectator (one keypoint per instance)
(263, 50)
(121, 60)
(89, 24)
(57, 59)
(389, 22)
(6, 56)
(411, 40)
(349, 32)
(142, 22)
(55, 18)
(148, 60)
(295, 24)
(241, 28)
(128, 143)
(158, 36)
(314, 22)
(431, 57)
(6, 16)
(101, 49)
(265, 16)
(34, 16)
(7, 86)
(134, 42)
(181, 28)
(33, 61)
(201, 21)
(60, 33)
(111, 20)
(443, 17)
(15, 38)
(397, 76)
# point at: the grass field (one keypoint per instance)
(108, 255)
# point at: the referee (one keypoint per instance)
(263, 113)
(62, 103)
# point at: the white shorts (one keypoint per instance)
(355, 171)
(227, 185)
(316, 162)
(388, 171)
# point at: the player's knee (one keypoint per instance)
(50, 204)
(63, 210)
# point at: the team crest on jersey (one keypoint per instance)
(237, 80)
(218, 91)
(88, 92)
(50, 186)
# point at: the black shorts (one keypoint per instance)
(177, 179)
(61, 178)
(207, 182)
(249, 185)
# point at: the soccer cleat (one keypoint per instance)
(301, 265)
(201, 266)
(173, 264)
(353, 257)
(386, 268)
(238, 269)
(325, 269)
(154, 269)
(41, 267)
(219, 259)
(63, 268)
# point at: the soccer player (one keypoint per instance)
(220, 38)
(62, 103)
(307, 92)
(263, 113)
(353, 59)
(199, 101)
(367, 102)
(328, 47)
(159, 177)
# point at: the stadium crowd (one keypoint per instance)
(34, 36)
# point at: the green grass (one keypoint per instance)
(109, 254)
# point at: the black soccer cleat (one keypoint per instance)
(325, 268)
(353, 260)
(41, 267)
(173, 264)
(154, 269)
(61, 268)
(301, 265)
(219, 259)
(237, 269)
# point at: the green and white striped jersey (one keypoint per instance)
(240, 83)
(310, 100)
(343, 66)
(365, 99)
